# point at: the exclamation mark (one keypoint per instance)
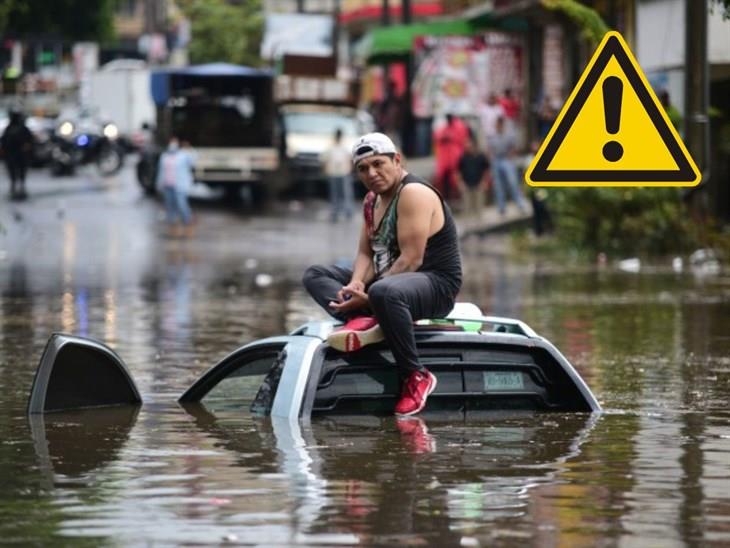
(612, 94)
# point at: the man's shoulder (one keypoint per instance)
(418, 191)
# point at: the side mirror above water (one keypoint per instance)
(75, 373)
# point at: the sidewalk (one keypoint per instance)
(490, 221)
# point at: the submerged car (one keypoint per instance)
(482, 363)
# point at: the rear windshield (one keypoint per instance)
(228, 121)
(470, 378)
(320, 123)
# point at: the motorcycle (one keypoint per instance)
(85, 142)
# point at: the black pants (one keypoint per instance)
(17, 168)
(395, 301)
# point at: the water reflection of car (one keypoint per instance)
(309, 131)
(375, 471)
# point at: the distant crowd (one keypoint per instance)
(482, 162)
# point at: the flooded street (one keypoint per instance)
(88, 257)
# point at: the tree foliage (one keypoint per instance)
(725, 4)
(224, 32)
(588, 20)
(624, 221)
(67, 19)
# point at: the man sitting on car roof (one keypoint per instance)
(408, 267)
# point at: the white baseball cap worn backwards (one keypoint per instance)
(372, 144)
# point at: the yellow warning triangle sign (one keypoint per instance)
(612, 131)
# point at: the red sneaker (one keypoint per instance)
(416, 389)
(355, 334)
(415, 436)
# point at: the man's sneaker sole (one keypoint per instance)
(423, 402)
(349, 341)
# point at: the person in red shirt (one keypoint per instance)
(510, 105)
(450, 142)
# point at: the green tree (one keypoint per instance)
(725, 8)
(224, 32)
(67, 19)
(588, 20)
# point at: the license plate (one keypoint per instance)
(503, 380)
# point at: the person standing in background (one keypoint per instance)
(390, 113)
(489, 112)
(450, 142)
(672, 113)
(501, 148)
(17, 144)
(175, 177)
(337, 163)
(510, 106)
(473, 173)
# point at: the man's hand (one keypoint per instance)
(351, 297)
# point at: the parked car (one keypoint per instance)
(482, 364)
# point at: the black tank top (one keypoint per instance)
(442, 257)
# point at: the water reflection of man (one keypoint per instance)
(408, 267)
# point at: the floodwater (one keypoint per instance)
(654, 346)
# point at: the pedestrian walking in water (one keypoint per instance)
(501, 148)
(17, 144)
(338, 169)
(175, 177)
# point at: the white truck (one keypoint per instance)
(120, 93)
(227, 113)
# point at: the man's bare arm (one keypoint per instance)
(362, 270)
(353, 296)
(416, 207)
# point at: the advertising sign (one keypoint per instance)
(454, 74)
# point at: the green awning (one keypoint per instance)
(395, 42)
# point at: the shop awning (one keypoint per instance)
(394, 43)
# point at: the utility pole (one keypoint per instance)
(405, 6)
(697, 98)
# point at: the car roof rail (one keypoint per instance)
(476, 324)
(320, 329)
(466, 315)
(470, 317)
